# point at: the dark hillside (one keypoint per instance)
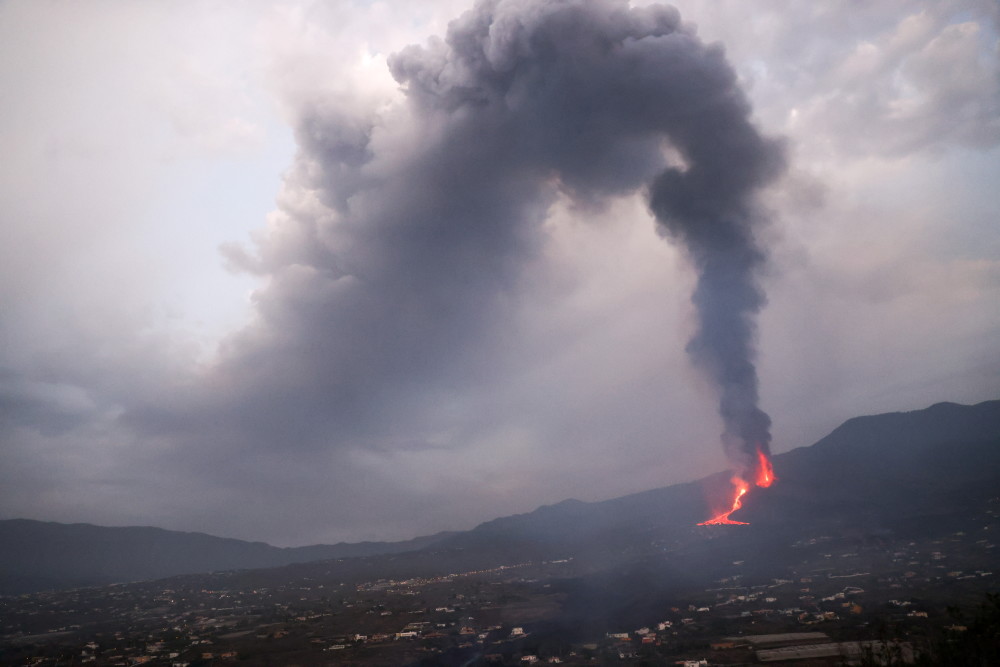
(872, 475)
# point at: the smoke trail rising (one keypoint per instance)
(593, 82)
(402, 230)
(709, 208)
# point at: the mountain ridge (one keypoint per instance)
(37, 555)
(863, 469)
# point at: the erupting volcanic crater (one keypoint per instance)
(763, 475)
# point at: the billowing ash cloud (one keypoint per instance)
(708, 206)
(586, 89)
(403, 236)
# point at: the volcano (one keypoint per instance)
(860, 478)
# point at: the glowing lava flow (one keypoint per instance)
(763, 477)
(723, 518)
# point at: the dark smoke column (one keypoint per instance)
(709, 208)
(390, 281)
(587, 90)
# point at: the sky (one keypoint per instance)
(311, 272)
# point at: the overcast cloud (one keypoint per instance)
(308, 272)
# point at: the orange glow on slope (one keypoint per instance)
(763, 476)
(765, 472)
(723, 518)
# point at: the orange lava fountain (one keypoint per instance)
(765, 472)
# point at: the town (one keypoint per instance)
(835, 599)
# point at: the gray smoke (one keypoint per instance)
(380, 303)
(709, 208)
(595, 86)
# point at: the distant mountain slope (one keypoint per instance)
(37, 555)
(891, 468)
(874, 481)
(876, 471)
(872, 474)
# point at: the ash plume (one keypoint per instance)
(403, 232)
(709, 207)
(595, 84)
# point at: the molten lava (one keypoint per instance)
(765, 472)
(723, 518)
